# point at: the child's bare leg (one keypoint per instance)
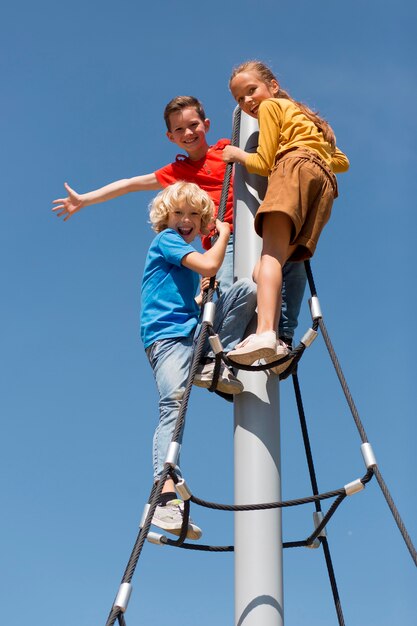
(169, 486)
(275, 251)
(268, 274)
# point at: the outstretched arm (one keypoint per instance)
(66, 207)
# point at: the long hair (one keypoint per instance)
(266, 75)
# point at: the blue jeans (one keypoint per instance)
(170, 360)
(225, 275)
(294, 280)
(293, 285)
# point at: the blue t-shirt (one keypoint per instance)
(168, 290)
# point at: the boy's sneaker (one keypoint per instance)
(227, 383)
(169, 517)
(254, 347)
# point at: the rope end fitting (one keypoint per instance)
(309, 337)
(123, 596)
(144, 515)
(318, 517)
(156, 538)
(354, 487)
(183, 490)
(173, 454)
(368, 455)
(315, 308)
(209, 313)
(216, 344)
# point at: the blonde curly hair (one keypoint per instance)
(171, 197)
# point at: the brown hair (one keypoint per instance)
(182, 102)
(266, 75)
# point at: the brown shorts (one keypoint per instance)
(303, 186)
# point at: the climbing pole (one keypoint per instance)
(258, 559)
(253, 606)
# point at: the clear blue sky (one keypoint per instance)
(84, 85)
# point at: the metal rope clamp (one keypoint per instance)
(209, 313)
(315, 308)
(156, 538)
(123, 596)
(216, 344)
(173, 453)
(183, 490)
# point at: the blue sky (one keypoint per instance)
(84, 87)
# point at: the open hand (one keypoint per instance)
(68, 206)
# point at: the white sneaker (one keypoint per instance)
(169, 517)
(227, 383)
(254, 347)
(281, 351)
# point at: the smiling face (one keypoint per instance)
(188, 132)
(249, 90)
(186, 220)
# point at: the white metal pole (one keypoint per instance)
(258, 534)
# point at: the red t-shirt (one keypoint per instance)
(208, 173)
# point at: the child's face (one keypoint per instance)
(188, 132)
(249, 91)
(186, 221)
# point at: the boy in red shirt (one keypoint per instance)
(187, 127)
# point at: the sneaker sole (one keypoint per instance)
(281, 367)
(248, 358)
(193, 532)
(278, 369)
(229, 387)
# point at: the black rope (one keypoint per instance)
(295, 354)
(229, 167)
(263, 506)
(204, 548)
(361, 429)
(116, 612)
(315, 489)
(396, 514)
(343, 382)
(216, 373)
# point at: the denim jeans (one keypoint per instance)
(293, 285)
(225, 276)
(294, 280)
(170, 360)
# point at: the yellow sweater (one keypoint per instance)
(282, 126)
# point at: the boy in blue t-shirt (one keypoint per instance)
(169, 317)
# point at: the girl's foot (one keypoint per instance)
(254, 347)
(281, 351)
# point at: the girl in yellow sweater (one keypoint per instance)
(297, 151)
